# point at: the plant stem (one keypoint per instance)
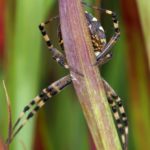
(89, 87)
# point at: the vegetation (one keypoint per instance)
(26, 66)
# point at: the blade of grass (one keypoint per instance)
(9, 112)
(138, 73)
(144, 13)
(25, 60)
(89, 88)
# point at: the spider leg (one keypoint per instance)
(118, 112)
(56, 54)
(39, 102)
(105, 59)
(113, 39)
(61, 43)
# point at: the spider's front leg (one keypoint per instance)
(113, 39)
(33, 107)
(56, 54)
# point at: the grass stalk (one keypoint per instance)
(89, 89)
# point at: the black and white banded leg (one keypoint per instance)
(118, 113)
(114, 38)
(56, 54)
(39, 101)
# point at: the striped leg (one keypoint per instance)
(37, 103)
(118, 112)
(61, 43)
(114, 38)
(56, 54)
(105, 59)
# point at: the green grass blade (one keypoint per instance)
(24, 60)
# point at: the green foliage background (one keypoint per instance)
(27, 67)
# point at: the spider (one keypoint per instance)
(102, 50)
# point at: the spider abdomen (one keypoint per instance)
(96, 31)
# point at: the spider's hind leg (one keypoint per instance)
(118, 113)
(34, 106)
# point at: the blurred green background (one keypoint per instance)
(26, 66)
